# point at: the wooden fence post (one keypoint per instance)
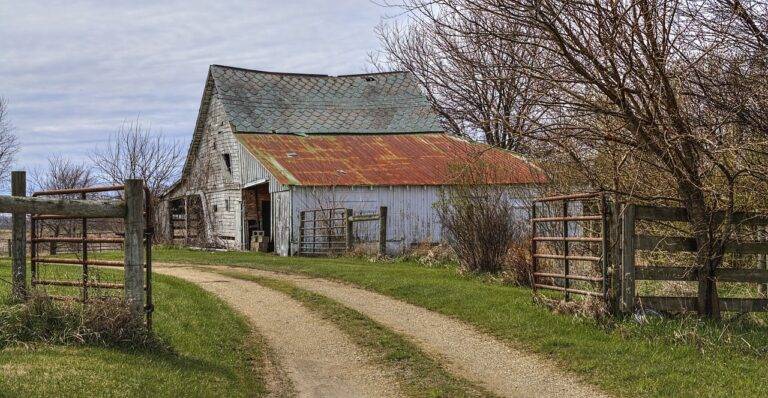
(19, 239)
(762, 260)
(383, 230)
(349, 231)
(134, 237)
(628, 259)
(616, 242)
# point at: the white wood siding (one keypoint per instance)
(253, 170)
(412, 218)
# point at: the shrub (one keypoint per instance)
(479, 221)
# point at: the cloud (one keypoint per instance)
(73, 71)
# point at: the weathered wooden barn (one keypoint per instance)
(268, 145)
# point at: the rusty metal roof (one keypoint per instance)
(267, 102)
(385, 159)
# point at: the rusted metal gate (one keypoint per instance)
(322, 232)
(570, 244)
(87, 283)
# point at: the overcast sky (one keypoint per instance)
(73, 71)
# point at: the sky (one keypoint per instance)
(74, 71)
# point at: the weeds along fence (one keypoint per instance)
(640, 257)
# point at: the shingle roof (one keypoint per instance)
(265, 102)
(385, 159)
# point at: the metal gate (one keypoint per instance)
(77, 236)
(322, 232)
(570, 244)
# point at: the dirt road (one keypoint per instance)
(467, 352)
(319, 359)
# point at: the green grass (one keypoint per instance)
(419, 375)
(664, 358)
(213, 354)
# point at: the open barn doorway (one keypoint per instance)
(257, 218)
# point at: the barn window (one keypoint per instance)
(215, 208)
(227, 162)
(226, 204)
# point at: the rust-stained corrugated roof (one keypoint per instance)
(386, 159)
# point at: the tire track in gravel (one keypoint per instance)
(320, 359)
(467, 352)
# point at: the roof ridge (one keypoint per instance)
(271, 73)
(394, 72)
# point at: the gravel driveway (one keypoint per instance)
(319, 359)
(467, 352)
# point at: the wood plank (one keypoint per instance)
(661, 213)
(670, 244)
(752, 275)
(747, 248)
(667, 304)
(655, 273)
(743, 305)
(63, 207)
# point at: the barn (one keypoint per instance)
(268, 146)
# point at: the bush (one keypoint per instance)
(103, 322)
(479, 222)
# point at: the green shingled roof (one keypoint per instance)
(265, 102)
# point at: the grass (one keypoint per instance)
(664, 358)
(212, 354)
(420, 376)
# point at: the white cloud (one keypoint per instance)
(74, 70)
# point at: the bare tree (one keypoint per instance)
(474, 81)
(662, 100)
(137, 152)
(61, 173)
(9, 144)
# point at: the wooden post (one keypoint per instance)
(383, 230)
(605, 245)
(134, 236)
(628, 259)
(186, 221)
(85, 253)
(349, 230)
(19, 239)
(762, 260)
(302, 216)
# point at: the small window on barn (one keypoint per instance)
(227, 162)
(226, 204)
(215, 208)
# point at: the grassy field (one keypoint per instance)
(662, 358)
(212, 354)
